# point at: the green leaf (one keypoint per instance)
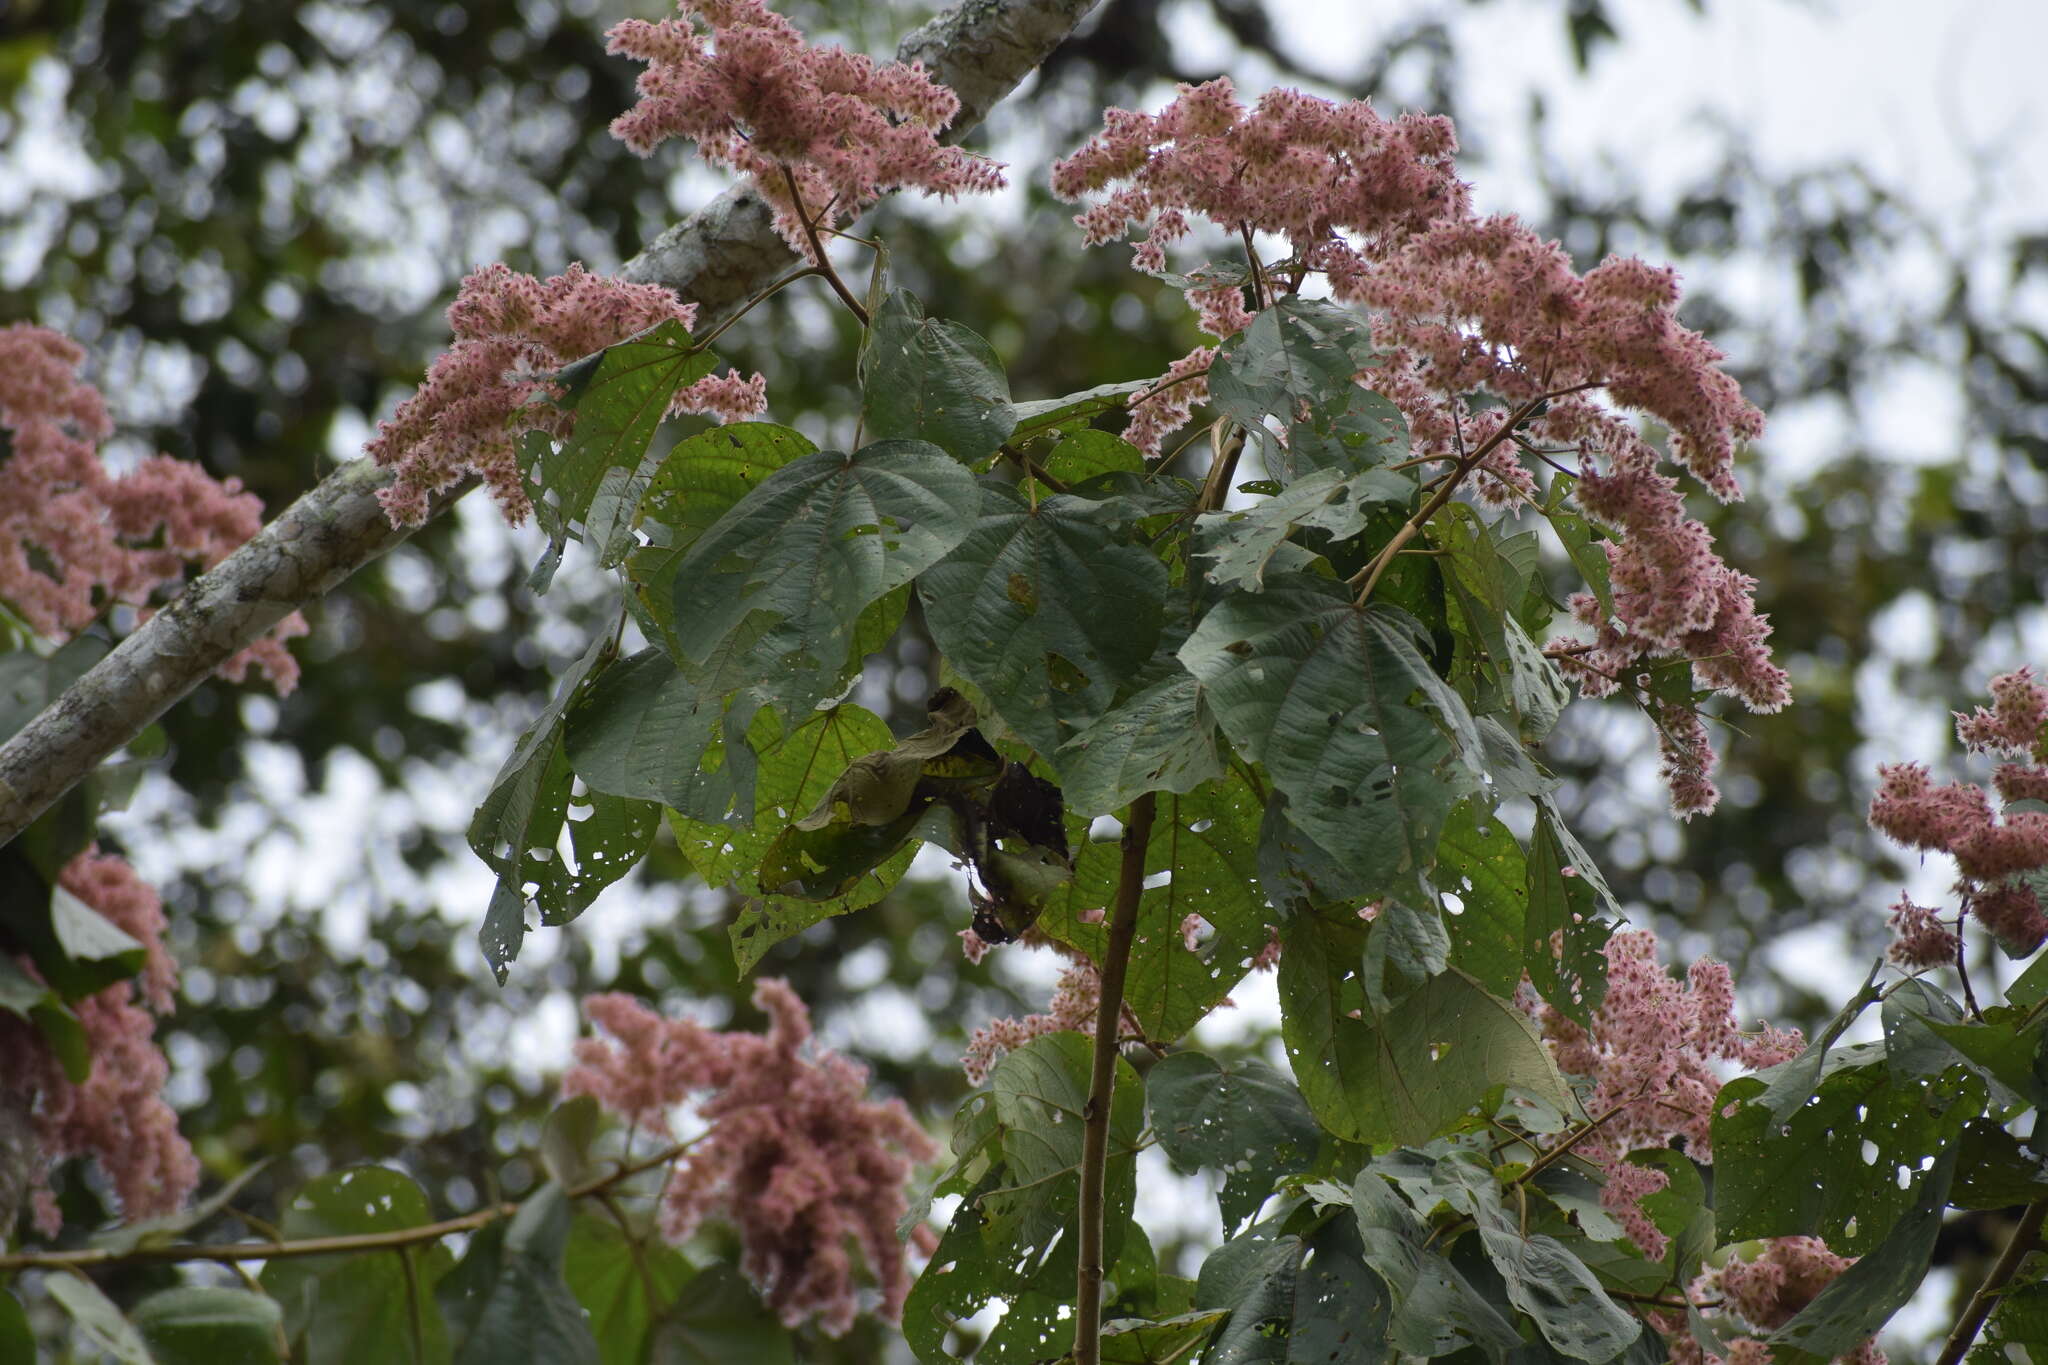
(1436, 1309)
(646, 730)
(1543, 1278)
(1480, 862)
(718, 1322)
(1866, 1295)
(1299, 355)
(1582, 542)
(698, 481)
(351, 1307)
(1168, 1341)
(623, 1287)
(619, 399)
(1039, 416)
(797, 768)
(1413, 1074)
(566, 1136)
(507, 1300)
(17, 1339)
(26, 998)
(1563, 934)
(99, 1320)
(1926, 1033)
(519, 829)
(1259, 1291)
(1206, 842)
(1489, 577)
(1831, 1168)
(1012, 1238)
(1241, 1118)
(925, 379)
(1242, 542)
(781, 580)
(1162, 739)
(1995, 1170)
(1372, 748)
(211, 1325)
(1049, 611)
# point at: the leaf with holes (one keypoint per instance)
(926, 379)
(1480, 862)
(1832, 1169)
(1201, 860)
(1413, 1074)
(1241, 1118)
(789, 568)
(346, 1308)
(1372, 748)
(1048, 610)
(523, 824)
(1012, 1239)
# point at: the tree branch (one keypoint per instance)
(1109, 1009)
(2024, 1239)
(229, 1253)
(719, 258)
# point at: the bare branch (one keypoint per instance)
(719, 257)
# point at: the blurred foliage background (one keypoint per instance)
(252, 214)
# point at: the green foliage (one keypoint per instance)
(531, 809)
(1012, 1240)
(507, 1298)
(1242, 1118)
(341, 1307)
(209, 1325)
(1324, 694)
(926, 379)
(1048, 609)
(623, 1281)
(1203, 853)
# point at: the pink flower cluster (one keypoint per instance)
(1075, 999)
(1956, 818)
(1651, 1054)
(74, 538)
(1460, 305)
(1764, 1293)
(821, 132)
(795, 1155)
(512, 332)
(117, 1115)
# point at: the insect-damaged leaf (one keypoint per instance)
(1372, 748)
(519, 828)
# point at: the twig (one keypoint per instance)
(822, 263)
(1466, 464)
(228, 1253)
(1981, 1303)
(1116, 960)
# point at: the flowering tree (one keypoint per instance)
(1276, 705)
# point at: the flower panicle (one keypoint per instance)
(75, 537)
(512, 332)
(794, 1155)
(819, 132)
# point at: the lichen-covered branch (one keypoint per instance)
(719, 258)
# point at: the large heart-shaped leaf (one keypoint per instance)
(1372, 748)
(796, 560)
(926, 379)
(1048, 610)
